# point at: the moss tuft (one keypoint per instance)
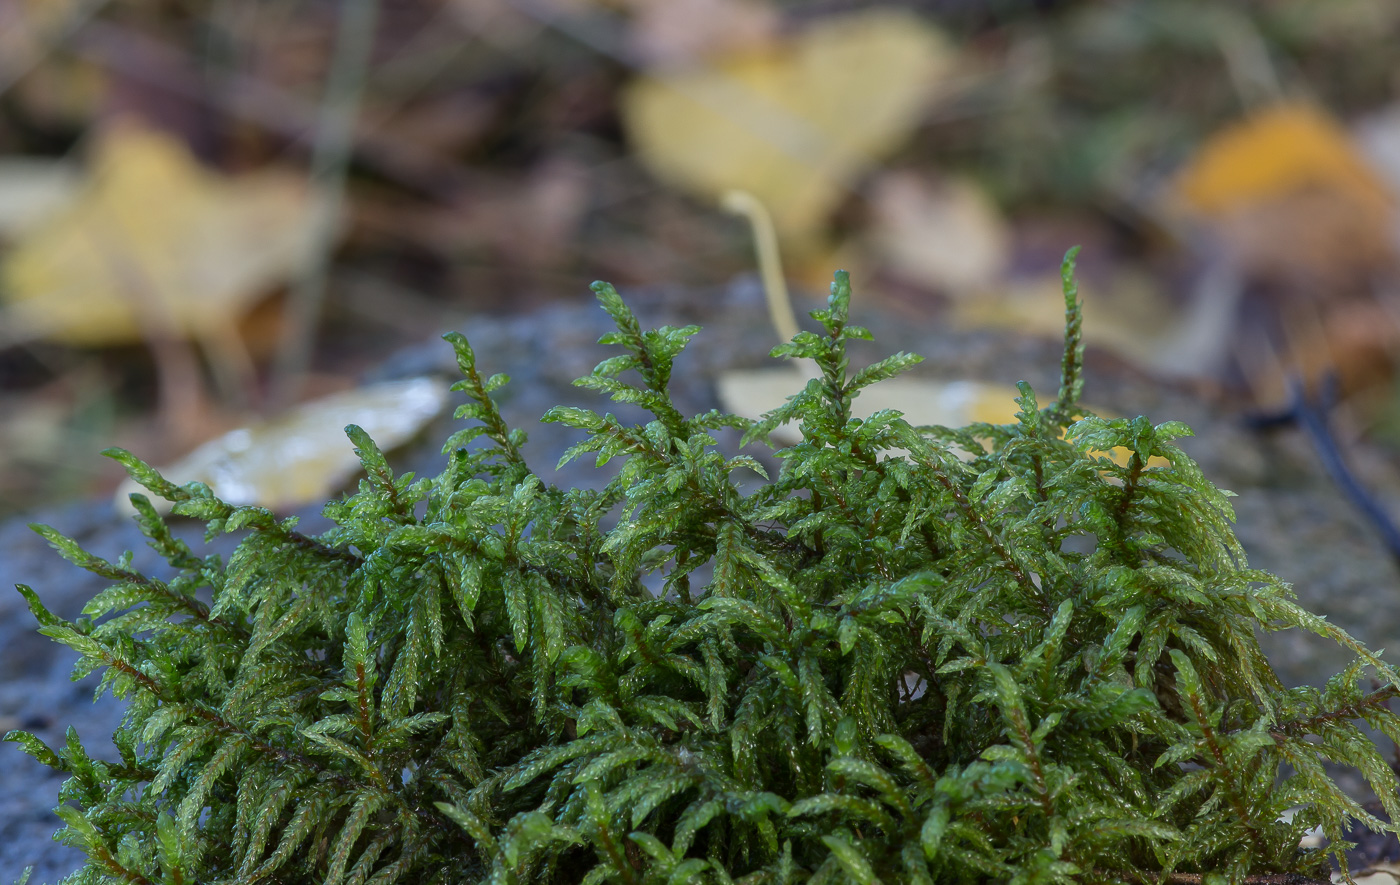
(887, 664)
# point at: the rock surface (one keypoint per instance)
(1291, 519)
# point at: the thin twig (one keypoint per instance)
(1311, 416)
(330, 161)
(142, 57)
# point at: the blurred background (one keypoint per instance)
(212, 211)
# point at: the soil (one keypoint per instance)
(1291, 519)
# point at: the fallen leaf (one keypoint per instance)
(154, 242)
(1128, 315)
(303, 456)
(946, 235)
(1292, 197)
(795, 124)
(1281, 149)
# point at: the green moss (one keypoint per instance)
(887, 664)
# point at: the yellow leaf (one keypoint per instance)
(1127, 315)
(1289, 198)
(155, 243)
(303, 456)
(793, 125)
(1278, 151)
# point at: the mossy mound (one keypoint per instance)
(891, 663)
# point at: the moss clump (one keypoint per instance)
(889, 664)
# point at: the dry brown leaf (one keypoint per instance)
(943, 234)
(155, 243)
(1126, 316)
(303, 456)
(793, 125)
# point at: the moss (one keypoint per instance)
(890, 663)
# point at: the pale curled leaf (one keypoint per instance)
(303, 456)
(792, 127)
(116, 266)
